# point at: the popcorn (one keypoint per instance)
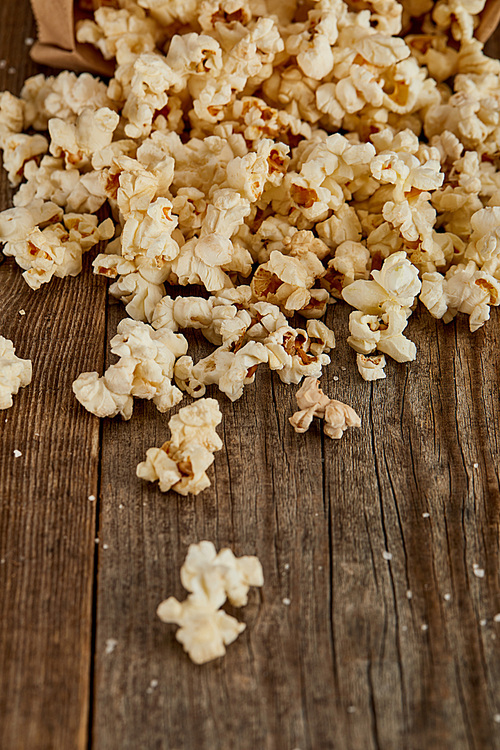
(371, 368)
(181, 463)
(396, 281)
(206, 572)
(15, 373)
(210, 577)
(277, 156)
(145, 370)
(204, 631)
(57, 249)
(312, 402)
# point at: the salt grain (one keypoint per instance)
(386, 555)
(11, 70)
(29, 41)
(286, 601)
(426, 515)
(351, 709)
(447, 597)
(409, 594)
(91, 498)
(478, 572)
(17, 453)
(424, 627)
(496, 618)
(111, 644)
(22, 312)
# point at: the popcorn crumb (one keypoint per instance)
(483, 622)
(476, 466)
(17, 454)
(409, 594)
(11, 70)
(286, 601)
(496, 718)
(105, 546)
(97, 540)
(387, 555)
(478, 572)
(496, 618)
(111, 644)
(91, 498)
(22, 312)
(286, 566)
(152, 687)
(424, 627)
(447, 597)
(426, 515)
(351, 709)
(29, 41)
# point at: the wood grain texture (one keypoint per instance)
(47, 524)
(371, 652)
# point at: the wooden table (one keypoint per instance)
(345, 648)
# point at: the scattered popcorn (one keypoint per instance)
(181, 463)
(210, 577)
(312, 402)
(15, 373)
(281, 156)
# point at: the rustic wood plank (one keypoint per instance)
(47, 524)
(346, 664)
(352, 661)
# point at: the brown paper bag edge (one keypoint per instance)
(57, 47)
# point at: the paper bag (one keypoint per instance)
(57, 46)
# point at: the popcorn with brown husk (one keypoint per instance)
(181, 463)
(312, 402)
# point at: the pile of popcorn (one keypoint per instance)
(278, 155)
(210, 578)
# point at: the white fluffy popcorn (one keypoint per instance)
(312, 402)
(145, 370)
(210, 577)
(277, 157)
(181, 463)
(15, 373)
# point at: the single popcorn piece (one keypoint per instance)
(204, 631)
(181, 463)
(205, 570)
(312, 402)
(145, 370)
(210, 577)
(371, 367)
(15, 373)
(396, 281)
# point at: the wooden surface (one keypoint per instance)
(370, 653)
